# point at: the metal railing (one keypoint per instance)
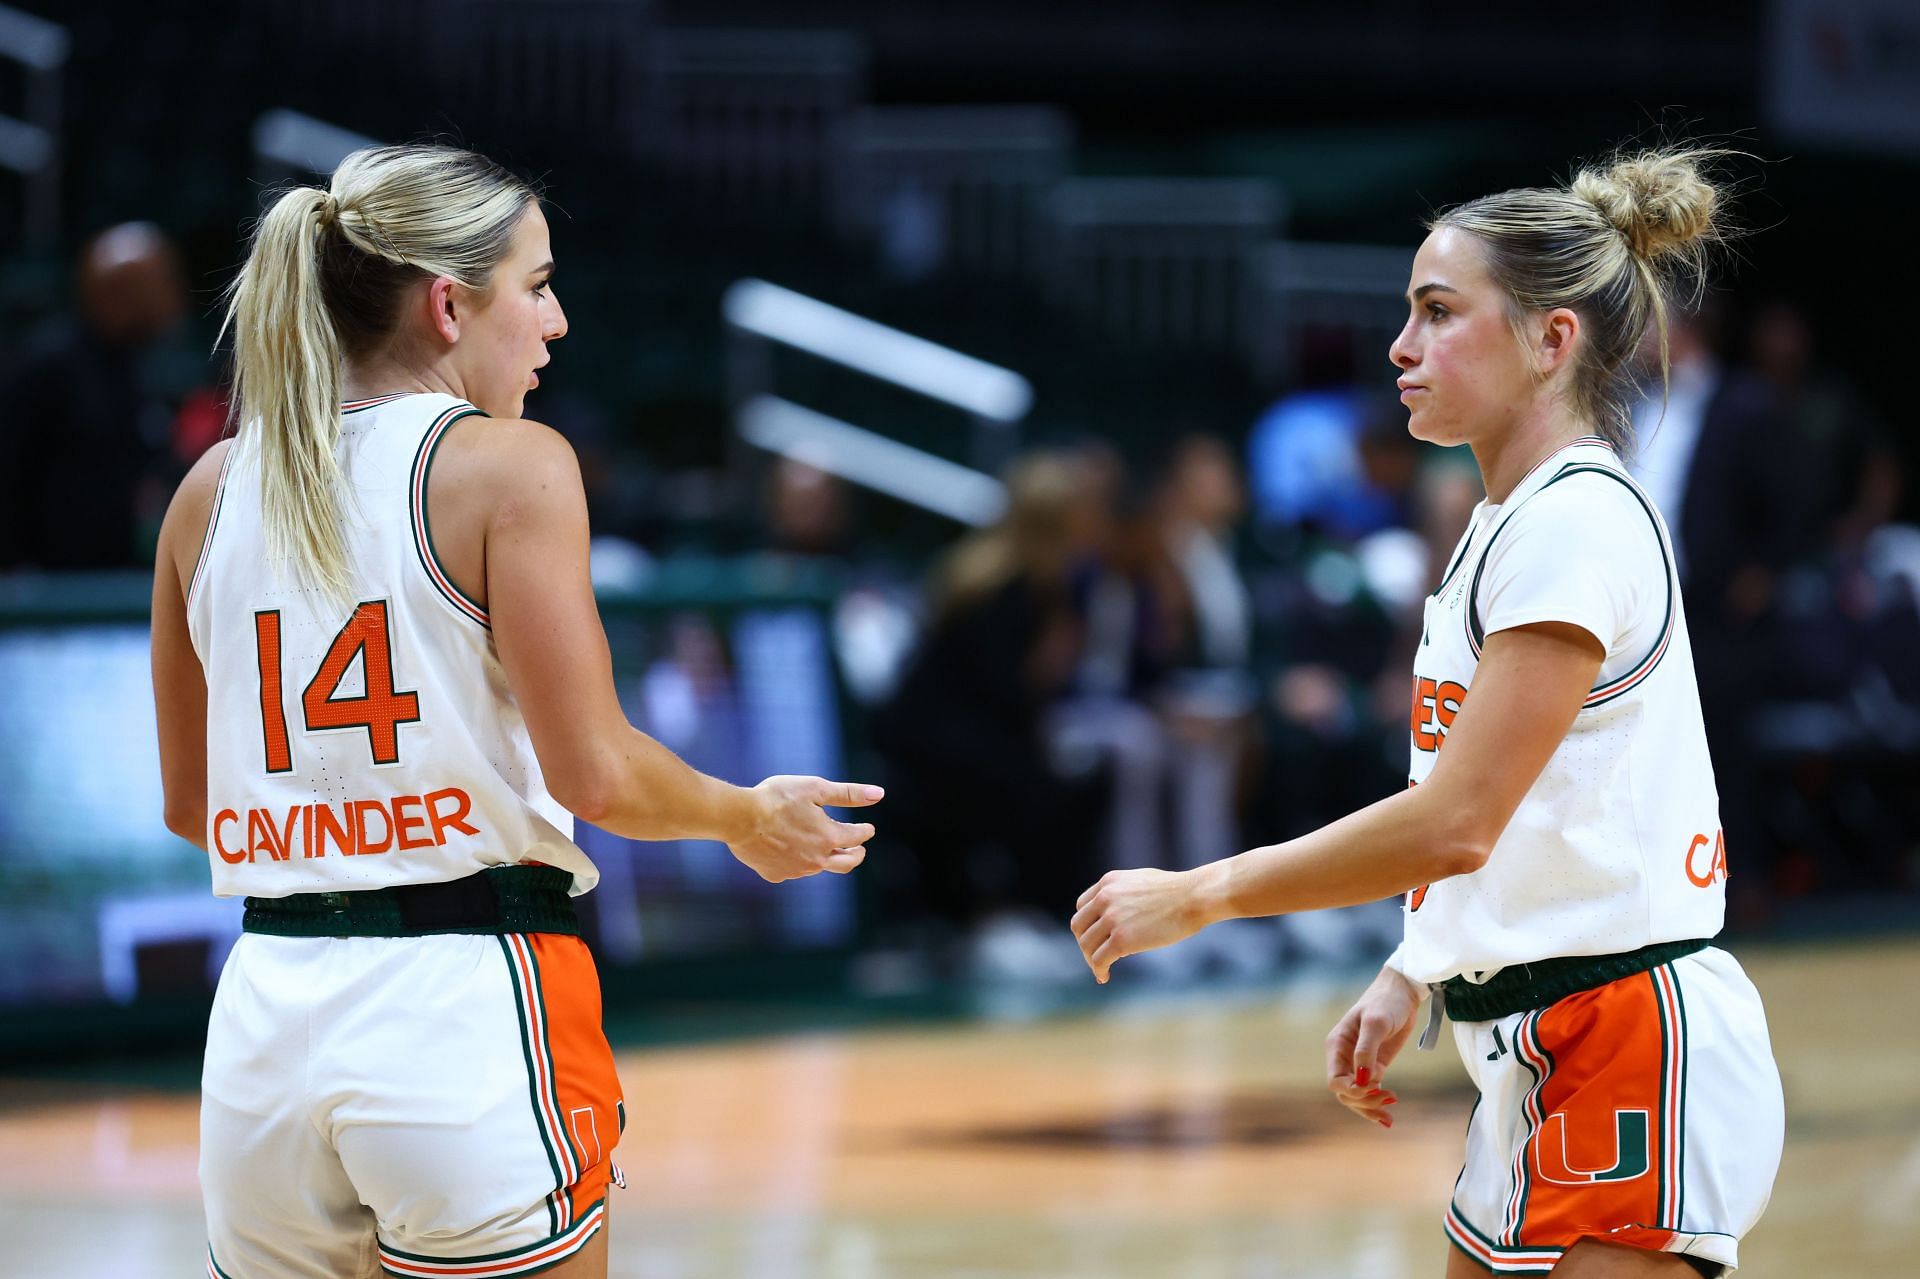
(287, 144)
(760, 315)
(949, 185)
(30, 144)
(749, 115)
(1353, 292)
(1159, 260)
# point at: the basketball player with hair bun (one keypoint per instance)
(384, 694)
(1559, 842)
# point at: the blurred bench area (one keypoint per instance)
(988, 400)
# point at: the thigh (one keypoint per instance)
(476, 1111)
(279, 1205)
(1594, 1259)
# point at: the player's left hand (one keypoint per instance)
(1130, 911)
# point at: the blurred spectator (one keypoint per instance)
(1843, 469)
(808, 511)
(85, 467)
(1331, 460)
(1207, 696)
(990, 829)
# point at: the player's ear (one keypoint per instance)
(1559, 338)
(443, 308)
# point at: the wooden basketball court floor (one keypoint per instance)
(1182, 1137)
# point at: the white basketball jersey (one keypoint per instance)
(1618, 843)
(365, 745)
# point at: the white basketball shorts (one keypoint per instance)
(418, 1106)
(1644, 1112)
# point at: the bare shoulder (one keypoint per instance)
(203, 478)
(508, 461)
(185, 526)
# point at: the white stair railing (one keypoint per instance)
(30, 144)
(760, 316)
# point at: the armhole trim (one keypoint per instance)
(1610, 689)
(213, 521)
(423, 527)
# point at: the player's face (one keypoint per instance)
(506, 338)
(1463, 376)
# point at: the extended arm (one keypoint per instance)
(554, 649)
(1531, 682)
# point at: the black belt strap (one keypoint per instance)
(500, 899)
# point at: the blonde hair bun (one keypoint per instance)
(1663, 202)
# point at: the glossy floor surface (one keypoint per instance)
(1180, 1137)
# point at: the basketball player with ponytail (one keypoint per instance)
(384, 694)
(1559, 843)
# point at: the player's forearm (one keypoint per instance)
(1385, 849)
(641, 790)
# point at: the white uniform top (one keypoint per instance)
(1617, 845)
(362, 747)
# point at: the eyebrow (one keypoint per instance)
(1420, 293)
(544, 266)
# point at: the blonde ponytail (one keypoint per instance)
(286, 388)
(322, 284)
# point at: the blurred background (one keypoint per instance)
(985, 399)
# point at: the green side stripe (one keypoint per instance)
(1680, 1138)
(215, 1263)
(546, 1051)
(508, 1255)
(1532, 1027)
(533, 1083)
(1663, 1214)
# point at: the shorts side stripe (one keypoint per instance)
(569, 1155)
(520, 1261)
(1528, 1052)
(1673, 1088)
(520, 1002)
(213, 1267)
(549, 1096)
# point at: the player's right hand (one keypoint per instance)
(789, 836)
(1366, 1041)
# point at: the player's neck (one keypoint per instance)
(1506, 460)
(370, 379)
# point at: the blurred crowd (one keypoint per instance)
(1160, 660)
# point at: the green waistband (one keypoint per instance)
(1521, 988)
(501, 899)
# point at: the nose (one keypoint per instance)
(1402, 351)
(555, 327)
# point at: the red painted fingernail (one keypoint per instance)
(1391, 1101)
(1378, 1092)
(1361, 1076)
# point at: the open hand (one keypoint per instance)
(788, 835)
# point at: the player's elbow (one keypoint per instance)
(1460, 853)
(186, 819)
(587, 794)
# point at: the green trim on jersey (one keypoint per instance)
(421, 522)
(1620, 684)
